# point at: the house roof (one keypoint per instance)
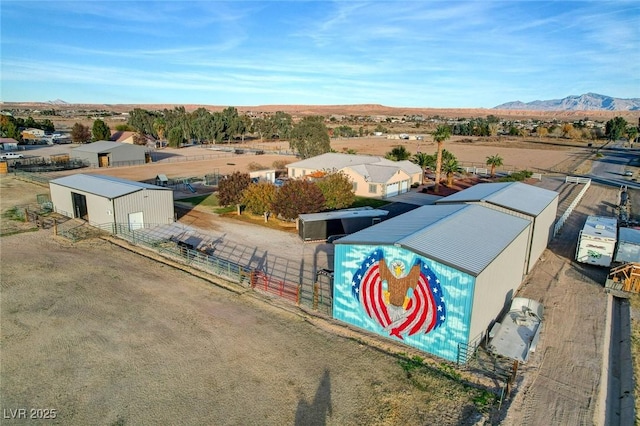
(464, 236)
(518, 196)
(377, 169)
(104, 186)
(105, 146)
(8, 140)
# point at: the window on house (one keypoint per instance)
(373, 188)
(355, 187)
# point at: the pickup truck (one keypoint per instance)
(10, 156)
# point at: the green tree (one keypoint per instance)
(230, 188)
(310, 137)
(174, 138)
(159, 127)
(298, 197)
(494, 161)
(632, 134)
(100, 131)
(259, 197)
(615, 128)
(142, 120)
(10, 128)
(80, 133)
(398, 153)
(449, 167)
(283, 124)
(425, 161)
(337, 190)
(441, 134)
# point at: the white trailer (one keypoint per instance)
(597, 241)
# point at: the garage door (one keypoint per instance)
(404, 186)
(393, 189)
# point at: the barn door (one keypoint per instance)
(136, 221)
(103, 160)
(79, 206)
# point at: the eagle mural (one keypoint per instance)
(404, 301)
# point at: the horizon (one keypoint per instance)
(467, 55)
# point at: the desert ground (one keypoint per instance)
(129, 340)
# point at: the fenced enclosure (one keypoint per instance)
(247, 266)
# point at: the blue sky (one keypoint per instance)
(451, 54)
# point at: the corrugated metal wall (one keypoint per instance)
(455, 295)
(497, 284)
(98, 208)
(156, 205)
(542, 232)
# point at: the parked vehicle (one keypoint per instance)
(10, 156)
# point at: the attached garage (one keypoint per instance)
(530, 202)
(109, 154)
(435, 278)
(106, 200)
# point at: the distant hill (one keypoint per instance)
(586, 102)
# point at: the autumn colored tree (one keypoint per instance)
(337, 190)
(298, 197)
(80, 133)
(231, 187)
(259, 197)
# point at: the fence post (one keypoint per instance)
(55, 227)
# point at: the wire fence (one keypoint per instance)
(250, 267)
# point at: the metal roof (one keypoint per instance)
(104, 186)
(464, 236)
(343, 214)
(105, 146)
(517, 196)
(629, 235)
(601, 227)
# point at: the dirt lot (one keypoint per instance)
(105, 336)
(121, 342)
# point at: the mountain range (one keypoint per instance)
(586, 102)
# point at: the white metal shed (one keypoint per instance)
(519, 199)
(104, 200)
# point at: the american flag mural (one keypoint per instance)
(403, 300)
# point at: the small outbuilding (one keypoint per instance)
(320, 226)
(162, 180)
(519, 199)
(435, 278)
(107, 200)
(109, 154)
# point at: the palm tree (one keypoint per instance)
(450, 166)
(442, 133)
(494, 161)
(424, 161)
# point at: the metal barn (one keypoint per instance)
(434, 278)
(107, 154)
(320, 226)
(104, 200)
(538, 205)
